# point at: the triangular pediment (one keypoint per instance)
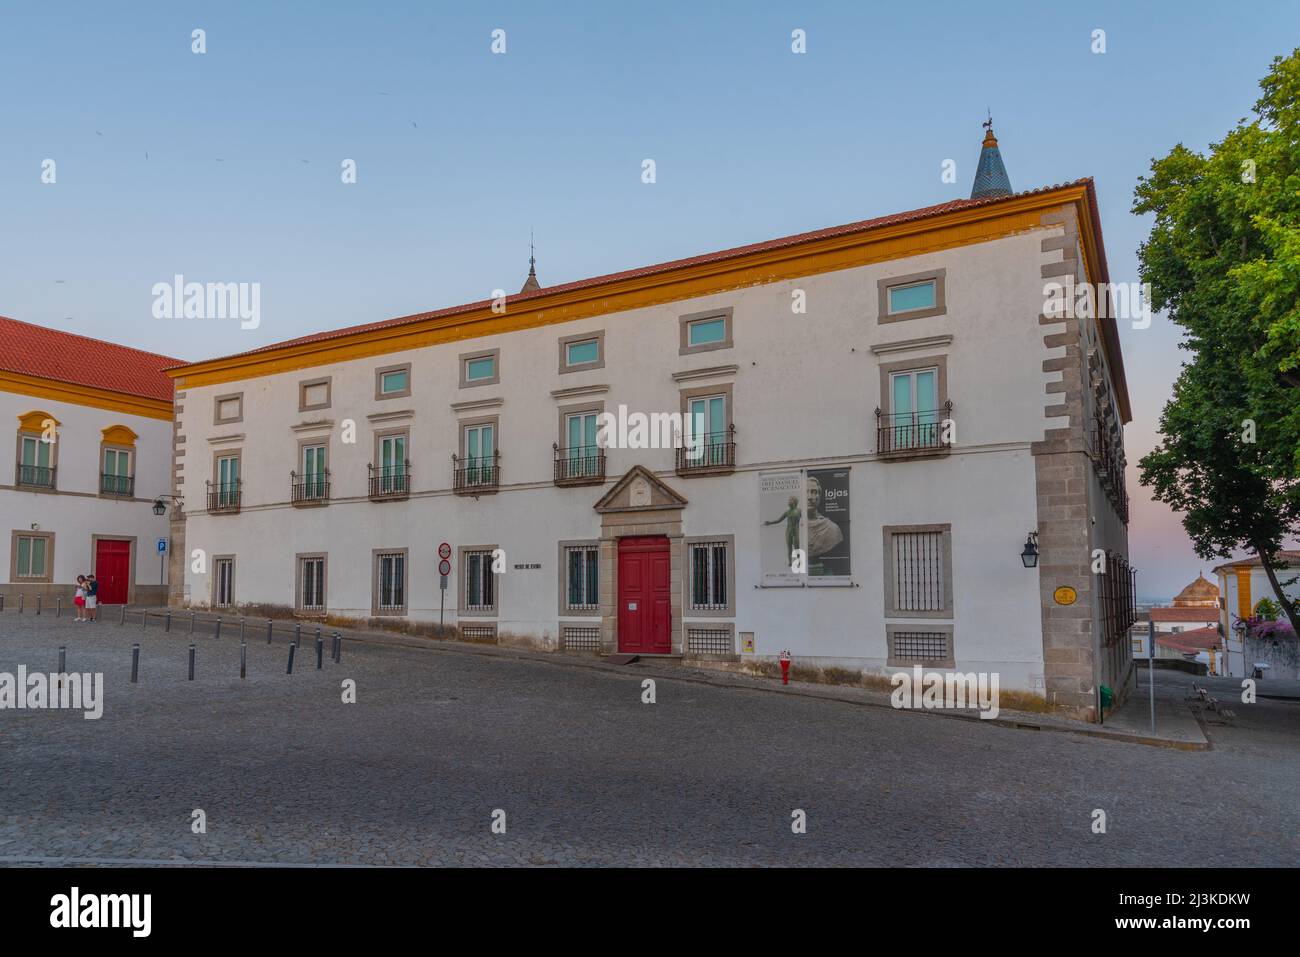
(639, 489)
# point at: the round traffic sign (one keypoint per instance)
(444, 567)
(444, 551)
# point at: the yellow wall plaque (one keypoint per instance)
(1065, 595)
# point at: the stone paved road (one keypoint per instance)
(586, 773)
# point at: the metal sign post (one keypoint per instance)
(162, 560)
(444, 569)
(1151, 667)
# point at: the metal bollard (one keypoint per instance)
(217, 634)
(63, 659)
(268, 630)
(2, 601)
(338, 647)
(320, 649)
(191, 678)
(144, 619)
(22, 600)
(58, 607)
(293, 646)
(334, 647)
(241, 629)
(167, 622)
(122, 620)
(191, 623)
(135, 662)
(38, 604)
(243, 659)
(297, 633)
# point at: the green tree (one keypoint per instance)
(1223, 261)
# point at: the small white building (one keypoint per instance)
(887, 410)
(1243, 583)
(92, 449)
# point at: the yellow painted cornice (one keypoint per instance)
(959, 227)
(84, 395)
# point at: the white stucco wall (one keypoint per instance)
(805, 391)
(76, 512)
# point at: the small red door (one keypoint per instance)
(112, 570)
(645, 616)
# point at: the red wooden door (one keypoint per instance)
(645, 616)
(112, 570)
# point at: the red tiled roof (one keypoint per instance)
(1190, 642)
(1185, 614)
(865, 225)
(1289, 557)
(33, 350)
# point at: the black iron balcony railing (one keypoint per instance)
(122, 486)
(474, 475)
(914, 431)
(579, 465)
(1108, 461)
(35, 476)
(390, 483)
(313, 489)
(224, 496)
(708, 452)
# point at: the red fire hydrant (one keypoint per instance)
(784, 658)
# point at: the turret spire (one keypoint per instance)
(531, 284)
(991, 175)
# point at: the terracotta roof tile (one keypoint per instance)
(34, 350)
(1190, 642)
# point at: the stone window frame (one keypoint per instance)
(462, 581)
(463, 424)
(219, 400)
(328, 383)
(25, 433)
(466, 358)
(891, 607)
(218, 455)
(382, 371)
(45, 579)
(689, 611)
(100, 473)
(940, 307)
(893, 662)
(214, 578)
(564, 609)
(565, 341)
(725, 389)
(375, 610)
(298, 606)
(684, 322)
(887, 371)
(580, 408)
(381, 434)
(300, 467)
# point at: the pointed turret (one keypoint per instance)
(531, 284)
(990, 176)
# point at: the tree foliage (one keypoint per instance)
(1223, 261)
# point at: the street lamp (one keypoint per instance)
(160, 505)
(1030, 554)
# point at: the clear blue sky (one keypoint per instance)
(461, 152)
